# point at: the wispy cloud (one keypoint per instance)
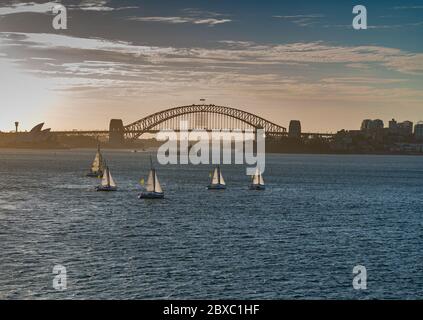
(407, 7)
(33, 7)
(302, 20)
(195, 12)
(231, 53)
(189, 15)
(396, 26)
(99, 5)
(380, 26)
(364, 80)
(28, 7)
(95, 5)
(177, 20)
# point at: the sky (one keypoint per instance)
(281, 60)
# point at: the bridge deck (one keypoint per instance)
(106, 132)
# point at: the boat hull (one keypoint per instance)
(105, 189)
(151, 195)
(216, 187)
(257, 187)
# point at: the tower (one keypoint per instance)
(294, 129)
(116, 132)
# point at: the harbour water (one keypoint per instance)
(320, 216)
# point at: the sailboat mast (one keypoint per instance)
(218, 174)
(153, 171)
(108, 177)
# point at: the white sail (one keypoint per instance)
(222, 181)
(256, 178)
(106, 178)
(158, 186)
(112, 182)
(215, 179)
(150, 182)
(261, 181)
(97, 163)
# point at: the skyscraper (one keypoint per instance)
(406, 128)
(365, 125)
(418, 130)
(372, 125)
(377, 124)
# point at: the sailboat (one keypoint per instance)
(257, 182)
(97, 167)
(217, 183)
(107, 182)
(153, 189)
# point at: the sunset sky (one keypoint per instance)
(281, 60)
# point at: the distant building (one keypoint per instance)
(408, 147)
(377, 124)
(372, 125)
(393, 125)
(365, 125)
(294, 129)
(406, 128)
(401, 128)
(418, 130)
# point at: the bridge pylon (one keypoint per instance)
(116, 132)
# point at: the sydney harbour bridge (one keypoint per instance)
(207, 117)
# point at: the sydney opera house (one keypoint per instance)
(37, 134)
(36, 137)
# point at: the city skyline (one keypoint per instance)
(281, 61)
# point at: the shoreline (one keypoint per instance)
(148, 150)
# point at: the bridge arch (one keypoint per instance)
(135, 130)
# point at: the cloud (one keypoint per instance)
(242, 53)
(211, 22)
(302, 20)
(29, 7)
(49, 41)
(363, 80)
(177, 20)
(408, 63)
(396, 26)
(407, 7)
(190, 15)
(362, 66)
(44, 8)
(94, 5)
(122, 70)
(195, 12)
(99, 5)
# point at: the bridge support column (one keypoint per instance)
(116, 132)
